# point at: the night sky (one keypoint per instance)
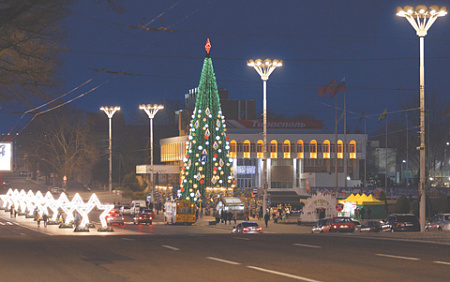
(361, 40)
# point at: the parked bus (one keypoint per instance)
(180, 212)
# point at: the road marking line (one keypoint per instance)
(283, 274)
(442, 262)
(308, 246)
(170, 247)
(223, 260)
(128, 239)
(398, 257)
(240, 238)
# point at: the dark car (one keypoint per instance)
(401, 222)
(144, 216)
(371, 226)
(247, 227)
(318, 227)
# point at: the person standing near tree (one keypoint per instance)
(361, 212)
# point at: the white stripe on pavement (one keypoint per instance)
(397, 257)
(442, 262)
(223, 260)
(307, 246)
(283, 274)
(170, 247)
(240, 238)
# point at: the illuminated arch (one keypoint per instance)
(313, 149)
(260, 149)
(233, 149)
(287, 149)
(352, 149)
(300, 150)
(246, 149)
(326, 149)
(273, 149)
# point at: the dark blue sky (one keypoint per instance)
(361, 40)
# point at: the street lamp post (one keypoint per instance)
(421, 18)
(151, 111)
(110, 111)
(264, 69)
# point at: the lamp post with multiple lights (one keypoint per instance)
(110, 111)
(421, 18)
(151, 111)
(264, 69)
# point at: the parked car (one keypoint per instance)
(371, 226)
(126, 210)
(357, 225)
(318, 227)
(144, 216)
(58, 191)
(339, 224)
(115, 218)
(440, 222)
(401, 222)
(247, 227)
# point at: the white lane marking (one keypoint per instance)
(223, 260)
(442, 262)
(240, 238)
(128, 239)
(307, 246)
(170, 247)
(283, 274)
(397, 257)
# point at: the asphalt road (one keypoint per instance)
(195, 253)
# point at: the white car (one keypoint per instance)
(125, 210)
(440, 222)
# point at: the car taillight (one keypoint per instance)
(334, 226)
(140, 218)
(123, 218)
(259, 228)
(245, 229)
(150, 217)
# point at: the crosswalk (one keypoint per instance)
(6, 223)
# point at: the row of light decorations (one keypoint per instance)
(26, 203)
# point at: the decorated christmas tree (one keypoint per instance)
(207, 169)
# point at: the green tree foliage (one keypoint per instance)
(131, 183)
(402, 205)
(207, 163)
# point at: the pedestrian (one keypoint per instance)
(361, 213)
(77, 220)
(45, 219)
(11, 211)
(356, 213)
(230, 216)
(234, 218)
(38, 219)
(266, 219)
(369, 211)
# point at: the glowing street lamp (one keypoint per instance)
(264, 69)
(421, 18)
(151, 111)
(109, 111)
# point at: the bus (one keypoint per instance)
(180, 212)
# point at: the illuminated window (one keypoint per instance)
(246, 149)
(260, 150)
(326, 149)
(313, 149)
(273, 149)
(287, 149)
(352, 149)
(233, 149)
(299, 149)
(340, 154)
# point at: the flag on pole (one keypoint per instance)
(341, 116)
(446, 113)
(327, 88)
(363, 116)
(383, 115)
(339, 87)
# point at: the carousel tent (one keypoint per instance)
(376, 207)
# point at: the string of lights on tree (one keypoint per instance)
(207, 166)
